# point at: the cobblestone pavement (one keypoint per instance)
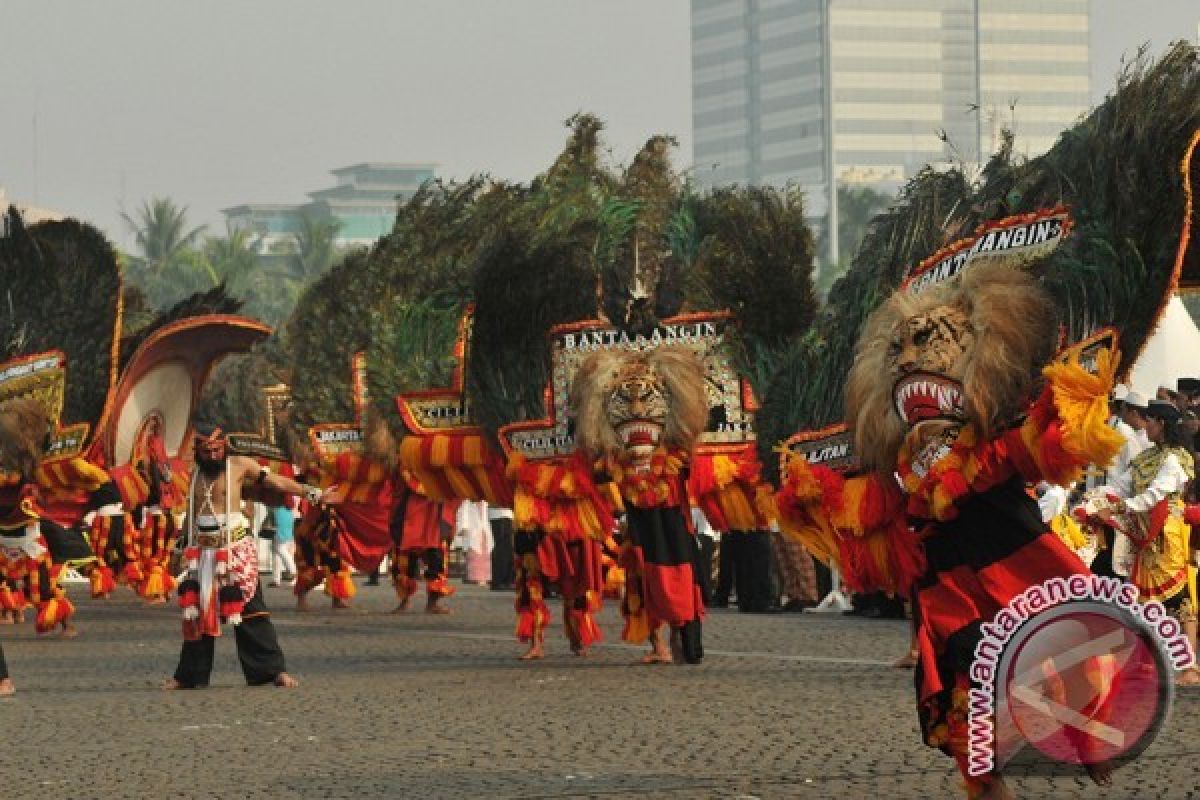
(437, 707)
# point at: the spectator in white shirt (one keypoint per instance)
(472, 529)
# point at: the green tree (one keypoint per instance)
(162, 235)
(856, 207)
(166, 266)
(313, 249)
(233, 259)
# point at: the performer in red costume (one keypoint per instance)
(932, 400)
(417, 532)
(639, 415)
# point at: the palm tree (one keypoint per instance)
(166, 266)
(315, 250)
(162, 235)
(856, 207)
(233, 258)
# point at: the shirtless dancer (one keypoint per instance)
(216, 489)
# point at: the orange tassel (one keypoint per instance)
(8, 600)
(340, 585)
(637, 627)
(585, 628)
(102, 580)
(53, 612)
(153, 585)
(440, 587)
(133, 574)
(531, 621)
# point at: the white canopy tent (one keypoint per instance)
(1172, 352)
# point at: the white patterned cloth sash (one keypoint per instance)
(243, 557)
(27, 544)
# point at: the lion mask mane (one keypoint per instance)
(970, 350)
(24, 428)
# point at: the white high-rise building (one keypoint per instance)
(870, 91)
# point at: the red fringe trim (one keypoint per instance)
(583, 629)
(531, 621)
(53, 612)
(440, 587)
(103, 582)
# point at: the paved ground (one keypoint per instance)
(416, 706)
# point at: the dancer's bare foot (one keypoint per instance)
(6, 687)
(906, 661)
(434, 608)
(534, 652)
(19, 617)
(6, 619)
(997, 790)
(659, 655)
(68, 631)
(302, 604)
(285, 681)
(172, 685)
(402, 606)
(156, 600)
(1188, 677)
(579, 650)
(339, 604)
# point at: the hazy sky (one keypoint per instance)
(221, 102)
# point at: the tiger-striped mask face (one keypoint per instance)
(927, 359)
(637, 408)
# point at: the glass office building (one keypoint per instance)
(870, 91)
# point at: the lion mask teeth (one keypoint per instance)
(635, 433)
(920, 397)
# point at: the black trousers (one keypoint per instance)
(504, 576)
(745, 565)
(1103, 564)
(3, 666)
(727, 558)
(432, 560)
(824, 579)
(754, 571)
(257, 649)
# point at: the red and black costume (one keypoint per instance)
(959, 531)
(661, 556)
